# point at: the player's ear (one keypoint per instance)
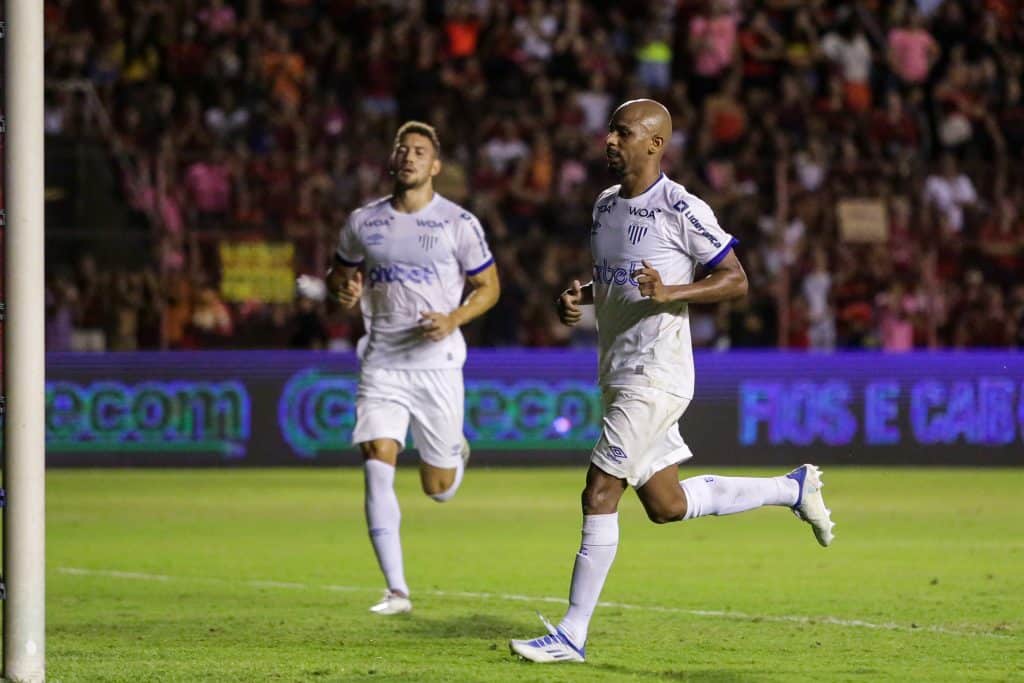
(435, 167)
(657, 143)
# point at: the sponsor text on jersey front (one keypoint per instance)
(643, 342)
(415, 263)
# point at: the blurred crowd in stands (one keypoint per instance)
(250, 120)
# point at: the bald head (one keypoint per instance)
(637, 136)
(651, 115)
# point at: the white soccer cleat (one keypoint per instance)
(392, 603)
(810, 506)
(554, 647)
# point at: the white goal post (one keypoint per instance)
(24, 339)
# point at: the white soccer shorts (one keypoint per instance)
(430, 402)
(640, 433)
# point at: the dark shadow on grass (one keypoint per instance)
(468, 626)
(696, 676)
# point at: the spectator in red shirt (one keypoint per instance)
(762, 49)
(462, 30)
(893, 129)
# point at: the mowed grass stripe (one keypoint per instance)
(779, 618)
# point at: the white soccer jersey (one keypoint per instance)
(415, 262)
(643, 342)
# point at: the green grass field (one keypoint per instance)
(245, 575)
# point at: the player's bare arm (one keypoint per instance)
(344, 284)
(727, 281)
(485, 288)
(569, 302)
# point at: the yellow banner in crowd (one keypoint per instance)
(257, 271)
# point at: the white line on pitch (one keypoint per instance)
(718, 614)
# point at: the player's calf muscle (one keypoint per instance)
(600, 501)
(663, 512)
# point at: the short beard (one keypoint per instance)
(404, 186)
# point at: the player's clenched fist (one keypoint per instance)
(649, 282)
(437, 326)
(569, 311)
(348, 296)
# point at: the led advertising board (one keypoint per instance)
(279, 408)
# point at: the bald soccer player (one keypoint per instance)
(648, 236)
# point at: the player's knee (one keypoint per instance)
(597, 501)
(438, 486)
(380, 449)
(666, 513)
(443, 496)
(437, 490)
(431, 485)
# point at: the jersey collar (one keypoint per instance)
(426, 207)
(661, 177)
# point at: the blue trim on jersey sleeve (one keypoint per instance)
(345, 262)
(481, 267)
(722, 254)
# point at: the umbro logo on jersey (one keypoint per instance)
(680, 206)
(636, 233)
(428, 242)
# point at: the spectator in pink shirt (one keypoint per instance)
(912, 51)
(209, 185)
(713, 46)
(896, 309)
(218, 18)
(157, 199)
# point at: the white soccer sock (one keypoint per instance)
(710, 494)
(383, 517)
(593, 562)
(449, 493)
